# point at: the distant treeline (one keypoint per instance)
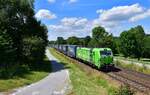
(22, 38)
(131, 43)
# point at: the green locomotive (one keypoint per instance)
(100, 57)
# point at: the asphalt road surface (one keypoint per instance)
(56, 83)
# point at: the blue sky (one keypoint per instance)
(77, 17)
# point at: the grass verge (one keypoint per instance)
(134, 60)
(134, 67)
(85, 83)
(31, 76)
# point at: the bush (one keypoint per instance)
(124, 90)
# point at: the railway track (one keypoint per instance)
(131, 81)
(136, 80)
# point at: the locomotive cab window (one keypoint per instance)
(106, 53)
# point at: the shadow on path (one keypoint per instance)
(57, 66)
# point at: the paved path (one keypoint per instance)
(56, 83)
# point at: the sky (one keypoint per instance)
(66, 18)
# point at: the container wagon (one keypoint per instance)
(64, 49)
(71, 52)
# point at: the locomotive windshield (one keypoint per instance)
(105, 53)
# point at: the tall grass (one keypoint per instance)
(133, 66)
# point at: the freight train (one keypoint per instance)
(99, 57)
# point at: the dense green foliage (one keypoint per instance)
(84, 41)
(124, 90)
(100, 38)
(146, 47)
(116, 45)
(22, 38)
(132, 42)
(60, 40)
(73, 41)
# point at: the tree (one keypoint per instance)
(52, 42)
(108, 41)
(73, 41)
(132, 42)
(84, 41)
(116, 45)
(93, 43)
(20, 34)
(101, 38)
(60, 40)
(87, 40)
(99, 33)
(146, 47)
(7, 54)
(125, 43)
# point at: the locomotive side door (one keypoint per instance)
(96, 58)
(93, 57)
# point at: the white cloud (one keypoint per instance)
(70, 27)
(140, 16)
(45, 14)
(116, 16)
(121, 13)
(58, 28)
(51, 1)
(81, 22)
(99, 11)
(69, 21)
(72, 1)
(119, 16)
(74, 21)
